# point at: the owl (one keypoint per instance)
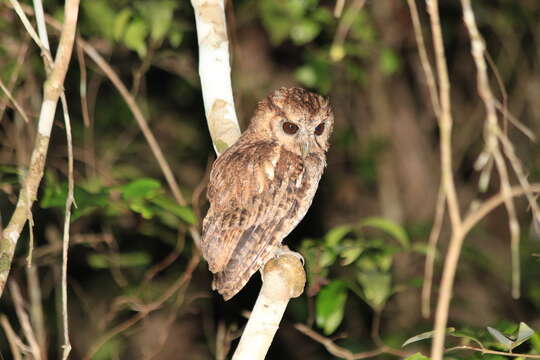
(262, 186)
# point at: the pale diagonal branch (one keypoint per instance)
(52, 89)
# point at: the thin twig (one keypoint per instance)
(169, 259)
(15, 74)
(520, 172)
(83, 84)
(447, 179)
(493, 352)
(147, 309)
(66, 347)
(15, 343)
(488, 205)
(424, 60)
(40, 20)
(338, 9)
(431, 252)
(53, 87)
(492, 145)
(24, 320)
(334, 349)
(445, 118)
(343, 28)
(518, 124)
(28, 26)
(36, 307)
(17, 106)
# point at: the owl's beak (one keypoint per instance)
(304, 148)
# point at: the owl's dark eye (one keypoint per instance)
(290, 128)
(319, 129)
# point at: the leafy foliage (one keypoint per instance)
(507, 342)
(369, 258)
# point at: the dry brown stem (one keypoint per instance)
(493, 352)
(343, 353)
(145, 310)
(15, 343)
(17, 106)
(52, 89)
(492, 154)
(24, 320)
(447, 180)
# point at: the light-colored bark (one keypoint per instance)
(52, 89)
(284, 276)
(215, 73)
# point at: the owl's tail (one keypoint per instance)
(228, 284)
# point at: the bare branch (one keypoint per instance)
(334, 349)
(493, 352)
(51, 92)
(283, 278)
(15, 343)
(24, 320)
(215, 70)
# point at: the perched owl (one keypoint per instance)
(262, 186)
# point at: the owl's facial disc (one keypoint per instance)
(297, 138)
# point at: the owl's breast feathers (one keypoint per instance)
(258, 193)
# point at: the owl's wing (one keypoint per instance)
(259, 203)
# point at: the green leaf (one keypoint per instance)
(424, 336)
(377, 287)
(55, 194)
(389, 62)
(143, 208)
(337, 52)
(501, 338)
(144, 188)
(524, 334)
(389, 227)
(328, 257)
(350, 253)
(330, 306)
(305, 31)
(135, 36)
(176, 35)
(111, 348)
(417, 356)
(464, 334)
(101, 16)
(120, 23)
(276, 20)
(158, 15)
(185, 213)
(105, 261)
(306, 75)
(6, 169)
(334, 236)
(535, 342)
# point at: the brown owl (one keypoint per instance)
(262, 186)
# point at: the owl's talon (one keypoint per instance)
(284, 250)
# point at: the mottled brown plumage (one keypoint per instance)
(262, 186)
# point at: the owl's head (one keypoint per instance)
(297, 119)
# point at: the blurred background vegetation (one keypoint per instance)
(365, 236)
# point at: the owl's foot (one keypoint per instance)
(284, 250)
